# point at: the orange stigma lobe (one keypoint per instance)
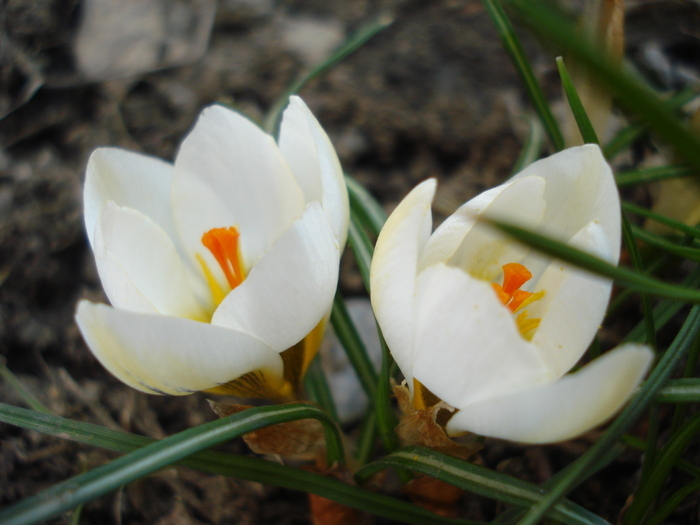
(223, 245)
(510, 294)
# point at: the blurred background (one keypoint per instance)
(433, 95)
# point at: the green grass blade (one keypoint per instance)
(557, 30)
(681, 464)
(317, 388)
(664, 311)
(686, 390)
(681, 227)
(512, 45)
(647, 492)
(369, 212)
(631, 178)
(659, 242)
(361, 247)
(631, 133)
(657, 379)
(674, 501)
(21, 389)
(366, 439)
(250, 468)
(582, 121)
(478, 480)
(623, 276)
(533, 145)
(348, 47)
(354, 347)
(155, 456)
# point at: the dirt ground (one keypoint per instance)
(434, 95)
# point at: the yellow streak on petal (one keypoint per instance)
(534, 297)
(217, 292)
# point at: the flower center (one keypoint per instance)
(510, 294)
(223, 245)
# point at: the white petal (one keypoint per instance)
(468, 347)
(229, 173)
(131, 180)
(315, 165)
(291, 288)
(564, 409)
(484, 250)
(573, 306)
(139, 267)
(393, 272)
(169, 355)
(580, 188)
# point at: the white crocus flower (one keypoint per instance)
(221, 266)
(493, 346)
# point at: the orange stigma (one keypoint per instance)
(510, 294)
(223, 245)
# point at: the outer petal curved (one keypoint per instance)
(291, 288)
(315, 165)
(131, 180)
(580, 188)
(159, 354)
(467, 345)
(561, 410)
(573, 306)
(229, 173)
(484, 250)
(393, 272)
(139, 266)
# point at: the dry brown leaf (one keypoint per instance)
(434, 495)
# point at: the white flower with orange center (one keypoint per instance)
(490, 327)
(221, 268)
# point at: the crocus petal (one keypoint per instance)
(561, 410)
(468, 347)
(580, 188)
(169, 355)
(573, 306)
(137, 261)
(291, 288)
(315, 165)
(393, 272)
(131, 180)
(229, 173)
(484, 250)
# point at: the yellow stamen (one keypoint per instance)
(510, 294)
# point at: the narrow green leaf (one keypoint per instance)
(361, 247)
(366, 208)
(631, 244)
(21, 389)
(691, 231)
(681, 464)
(658, 377)
(250, 468)
(623, 276)
(512, 45)
(659, 242)
(386, 419)
(366, 438)
(347, 48)
(664, 311)
(642, 176)
(544, 19)
(533, 145)
(155, 456)
(631, 133)
(649, 491)
(354, 347)
(317, 388)
(673, 502)
(582, 121)
(478, 480)
(686, 390)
